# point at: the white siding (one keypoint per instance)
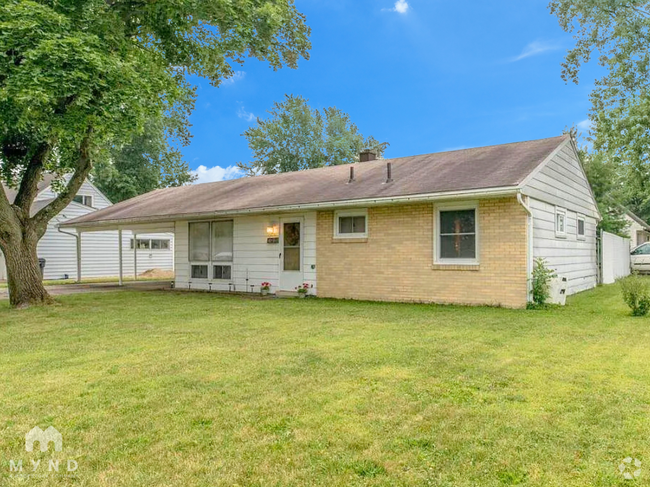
(254, 260)
(638, 234)
(99, 200)
(562, 183)
(575, 259)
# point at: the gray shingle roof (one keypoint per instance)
(463, 170)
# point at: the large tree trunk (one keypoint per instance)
(24, 275)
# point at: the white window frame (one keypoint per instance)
(438, 208)
(210, 263)
(83, 196)
(563, 212)
(347, 213)
(580, 216)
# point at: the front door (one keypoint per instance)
(291, 254)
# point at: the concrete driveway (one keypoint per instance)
(99, 287)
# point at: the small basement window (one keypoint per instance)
(221, 272)
(199, 272)
(351, 224)
(580, 227)
(84, 199)
(560, 222)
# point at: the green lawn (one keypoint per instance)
(177, 389)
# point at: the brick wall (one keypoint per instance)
(395, 262)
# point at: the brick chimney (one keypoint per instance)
(367, 155)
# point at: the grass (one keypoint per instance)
(95, 280)
(171, 389)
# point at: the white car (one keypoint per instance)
(640, 258)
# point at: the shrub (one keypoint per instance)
(636, 294)
(541, 282)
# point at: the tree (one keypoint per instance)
(142, 165)
(619, 32)
(298, 137)
(79, 76)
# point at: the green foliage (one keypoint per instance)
(607, 187)
(541, 282)
(144, 164)
(99, 71)
(618, 32)
(636, 294)
(298, 137)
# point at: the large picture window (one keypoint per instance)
(456, 236)
(211, 242)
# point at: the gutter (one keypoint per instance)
(530, 227)
(78, 237)
(477, 193)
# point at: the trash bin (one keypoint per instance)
(41, 264)
(558, 290)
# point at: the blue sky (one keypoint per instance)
(423, 75)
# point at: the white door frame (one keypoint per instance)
(289, 280)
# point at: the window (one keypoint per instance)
(642, 250)
(221, 272)
(84, 199)
(199, 242)
(560, 222)
(580, 227)
(210, 242)
(351, 224)
(158, 244)
(153, 244)
(222, 241)
(199, 272)
(456, 230)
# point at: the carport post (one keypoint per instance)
(78, 256)
(135, 256)
(119, 238)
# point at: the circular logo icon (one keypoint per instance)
(630, 468)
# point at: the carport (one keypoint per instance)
(77, 230)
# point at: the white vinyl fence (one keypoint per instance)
(615, 257)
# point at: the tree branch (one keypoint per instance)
(64, 198)
(32, 176)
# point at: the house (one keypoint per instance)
(99, 251)
(453, 227)
(637, 229)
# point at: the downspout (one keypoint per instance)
(78, 237)
(529, 234)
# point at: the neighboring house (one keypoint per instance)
(454, 227)
(638, 230)
(99, 250)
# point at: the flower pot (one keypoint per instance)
(265, 292)
(302, 295)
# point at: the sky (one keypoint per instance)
(424, 75)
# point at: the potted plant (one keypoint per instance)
(266, 287)
(303, 290)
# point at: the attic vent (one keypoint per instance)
(351, 180)
(389, 172)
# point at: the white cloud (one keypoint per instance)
(585, 125)
(216, 173)
(401, 7)
(237, 76)
(249, 117)
(536, 48)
